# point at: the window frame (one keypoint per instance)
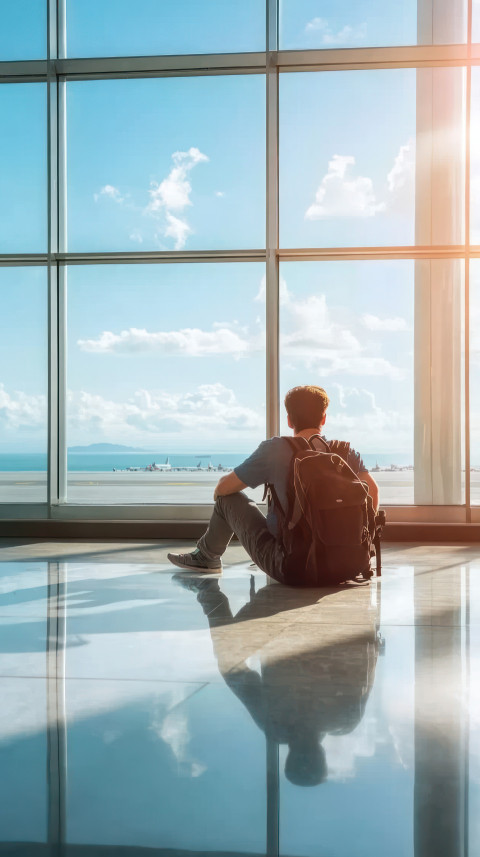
(56, 70)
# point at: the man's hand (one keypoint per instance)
(228, 484)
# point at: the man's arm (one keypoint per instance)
(372, 487)
(228, 484)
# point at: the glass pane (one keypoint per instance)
(176, 382)
(23, 31)
(475, 159)
(165, 164)
(349, 327)
(308, 24)
(23, 385)
(475, 21)
(475, 379)
(372, 158)
(23, 168)
(101, 28)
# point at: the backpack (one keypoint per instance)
(329, 529)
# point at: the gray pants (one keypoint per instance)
(235, 513)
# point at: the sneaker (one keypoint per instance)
(195, 582)
(195, 561)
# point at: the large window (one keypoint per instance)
(166, 164)
(204, 204)
(23, 168)
(23, 385)
(308, 24)
(344, 327)
(101, 28)
(362, 161)
(166, 380)
(23, 31)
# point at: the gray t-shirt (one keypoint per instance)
(271, 463)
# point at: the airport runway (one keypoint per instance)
(396, 488)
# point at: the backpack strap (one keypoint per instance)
(284, 516)
(294, 510)
(316, 442)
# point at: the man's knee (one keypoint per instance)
(232, 501)
(238, 510)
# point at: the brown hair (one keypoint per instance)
(306, 406)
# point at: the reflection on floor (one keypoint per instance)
(148, 712)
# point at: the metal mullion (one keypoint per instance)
(52, 215)
(62, 249)
(61, 31)
(468, 106)
(272, 224)
(8, 260)
(430, 251)
(166, 257)
(298, 60)
(196, 64)
(374, 65)
(21, 70)
(150, 75)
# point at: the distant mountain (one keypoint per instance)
(105, 447)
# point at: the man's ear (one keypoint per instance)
(289, 421)
(323, 420)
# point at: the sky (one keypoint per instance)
(212, 26)
(167, 355)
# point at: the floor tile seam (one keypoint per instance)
(431, 567)
(108, 678)
(243, 660)
(380, 624)
(190, 696)
(33, 677)
(421, 625)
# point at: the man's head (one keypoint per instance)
(306, 407)
(306, 765)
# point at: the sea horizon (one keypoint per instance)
(107, 461)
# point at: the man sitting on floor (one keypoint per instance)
(235, 513)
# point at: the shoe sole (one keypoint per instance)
(200, 568)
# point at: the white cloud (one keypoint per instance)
(211, 409)
(342, 195)
(309, 334)
(347, 35)
(190, 342)
(110, 192)
(403, 170)
(177, 229)
(401, 180)
(173, 195)
(325, 345)
(343, 752)
(22, 411)
(368, 426)
(174, 730)
(373, 322)
(219, 193)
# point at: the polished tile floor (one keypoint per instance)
(144, 712)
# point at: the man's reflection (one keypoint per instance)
(314, 680)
